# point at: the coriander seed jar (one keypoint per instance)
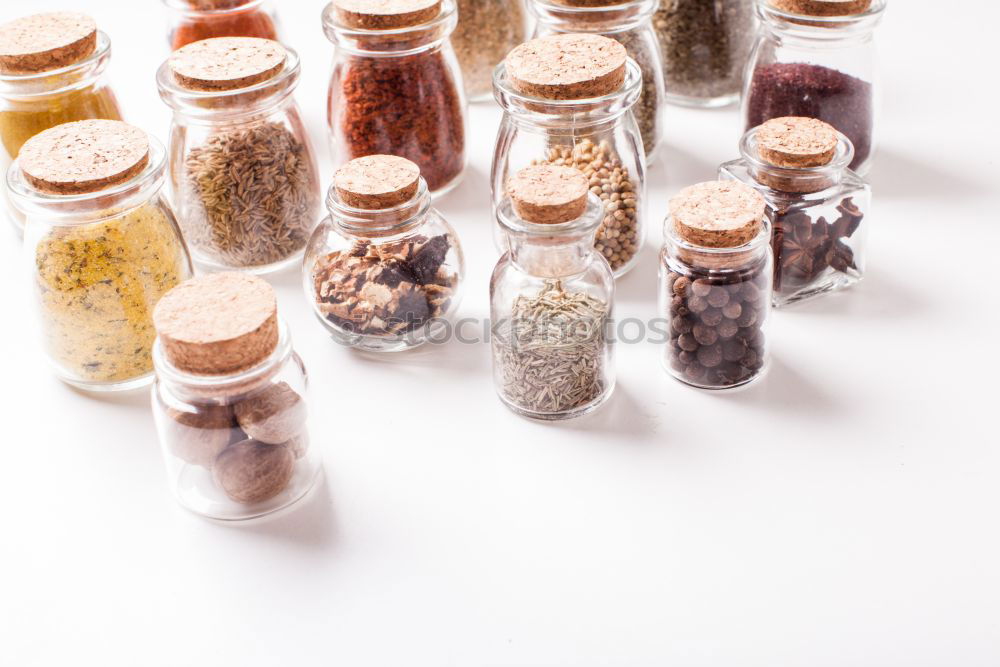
(487, 30)
(243, 171)
(191, 21)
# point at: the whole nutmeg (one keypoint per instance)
(274, 415)
(251, 472)
(299, 444)
(199, 436)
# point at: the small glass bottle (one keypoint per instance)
(101, 247)
(816, 58)
(396, 87)
(586, 123)
(715, 285)
(487, 30)
(552, 298)
(191, 21)
(815, 203)
(230, 400)
(57, 74)
(243, 170)
(629, 22)
(384, 271)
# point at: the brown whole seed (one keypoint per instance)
(728, 329)
(251, 472)
(718, 297)
(705, 335)
(732, 310)
(712, 317)
(274, 415)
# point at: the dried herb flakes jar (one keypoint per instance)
(487, 30)
(194, 20)
(552, 298)
(385, 270)
(243, 170)
(396, 87)
(567, 101)
(102, 246)
(230, 400)
(715, 285)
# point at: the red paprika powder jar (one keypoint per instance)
(195, 20)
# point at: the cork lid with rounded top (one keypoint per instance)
(377, 182)
(45, 42)
(567, 67)
(548, 194)
(219, 324)
(227, 63)
(84, 156)
(797, 143)
(386, 14)
(822, 7)
(718, 214)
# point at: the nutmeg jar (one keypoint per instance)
(385, 270)
(396, 87)
(53, 70)
(567, 101)
(194, 20)
(230, 400)
(816, 58)
(817, 206)
(101, 247)
(243, 171)
(487, 30)
(715, 285)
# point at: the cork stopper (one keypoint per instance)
(548, 195)
(822, 7)
(718, 214)
(227, 63)
(84, 156)
(567, 67)
(796, 143)
(377, 182)
(45, 42)
(386, 14)
(219, 324)
(215, 5)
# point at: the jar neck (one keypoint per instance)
(391, 43)
(745, 257)
(796, 181)
(383, 224)
(552, 251)
(820, 32)
(78, 76)
(602, 20)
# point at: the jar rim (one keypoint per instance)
(873, 14)
(102, 51)
(585, 224)
(363, 221)
(628, 94)
(337, 31)
(842, 158)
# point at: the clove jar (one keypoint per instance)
(384, 271)
(486, 31)
(817, 206)
(629, 22)
(551, 298)
(243, 170)
(191, 21)
(53, 70)
(230, 399)
(567, 101)
(816, 58)
(715, 285)
(396, 87)
(101, 247)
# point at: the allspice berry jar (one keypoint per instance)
(53, 70)
(396, 88)
(385, 270)
(102, 246)
(567, 101)
(715, 285)
(552, 298)
(194, 20)
(487, 30)
(243, 170)
(230, 399)
(817, 206)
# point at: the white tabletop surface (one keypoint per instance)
(841, 512)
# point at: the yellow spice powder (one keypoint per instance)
(23, 120)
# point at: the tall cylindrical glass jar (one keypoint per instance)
(102, 246)
(586, 124)
(817, 59)
(191, 21)
(487, 30)
(396, 87)
(242, 167)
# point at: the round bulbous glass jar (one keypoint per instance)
(821, 67)
(191, 21)
(396, 89)
(243, 171)
(487, 30)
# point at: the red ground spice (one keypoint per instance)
(253, 23)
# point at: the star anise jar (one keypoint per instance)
(817, 205)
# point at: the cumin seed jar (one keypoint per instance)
(230, 400)
(243, 171)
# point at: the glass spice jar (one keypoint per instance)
(102, 246)
(385, 270)
(816, 204)
(551, 298)
(629, 22)
(705, 48)
(396, 87)
(243, 171)
(191, 21)
(53, 70)
(816, 58)
(230, 400)
(586, 123)
(715, 285)
(487, 30)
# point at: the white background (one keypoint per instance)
(841, 512)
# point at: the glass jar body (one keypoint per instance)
(487, 31)
(186, 23)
